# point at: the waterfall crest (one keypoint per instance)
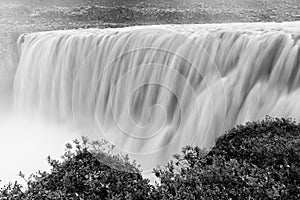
(151, 90)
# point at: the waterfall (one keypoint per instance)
(151, 90)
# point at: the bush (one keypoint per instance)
(259, 160)
(81, 176)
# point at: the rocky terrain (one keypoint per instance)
(23, 16)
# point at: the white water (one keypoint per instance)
(152, 90)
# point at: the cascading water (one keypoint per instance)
(151, 90)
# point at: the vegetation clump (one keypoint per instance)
(258, 160)
(81, 175)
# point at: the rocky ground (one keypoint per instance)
(23, 16)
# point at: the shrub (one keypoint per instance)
(259, 160)
(81, 176)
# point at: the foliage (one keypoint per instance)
(11, 191)
(259, 160)
(82, 176)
